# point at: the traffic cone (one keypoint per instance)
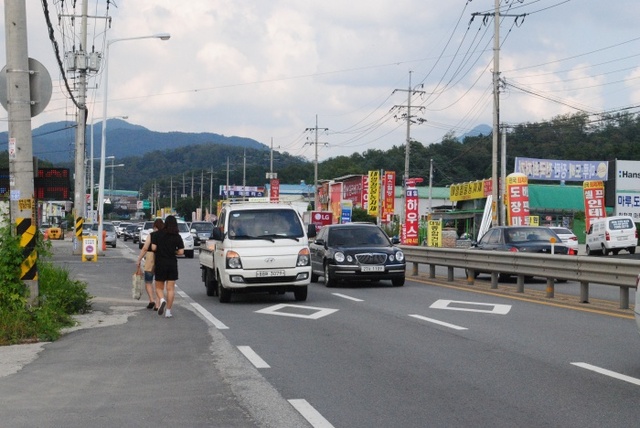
(104, 240)
(46, 234)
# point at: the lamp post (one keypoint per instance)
(92, 158)
(103, 148)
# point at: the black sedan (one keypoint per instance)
(356, 252)
(522, 239)
(527, 239)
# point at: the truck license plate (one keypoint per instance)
(262, 273)
(372, 268)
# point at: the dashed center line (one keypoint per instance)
(344, 296)
(609, 373)
(310, 414)
(254, 358)
(442, 323)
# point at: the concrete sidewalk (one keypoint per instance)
(123, 365)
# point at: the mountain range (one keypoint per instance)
(55, 142)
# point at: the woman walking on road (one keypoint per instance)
(166, 246)
(149, 262)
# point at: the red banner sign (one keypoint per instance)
(517, 200)
(593, 201)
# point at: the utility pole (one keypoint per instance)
(407, 149)
(316, 203)
(496, 193)
(22, 203)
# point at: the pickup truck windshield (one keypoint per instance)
(261, 224)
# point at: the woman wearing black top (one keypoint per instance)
(166, 246)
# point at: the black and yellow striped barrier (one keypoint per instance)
(26, 230)
(79, 226)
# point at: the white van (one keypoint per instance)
(612, 234)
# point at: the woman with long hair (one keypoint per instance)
(167, 245)
(149, 264)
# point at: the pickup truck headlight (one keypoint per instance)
(233, 260)
(303, 258)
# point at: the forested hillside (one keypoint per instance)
(570, 137)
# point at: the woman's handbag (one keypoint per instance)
(137, 281)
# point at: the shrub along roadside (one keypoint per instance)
(59, 296)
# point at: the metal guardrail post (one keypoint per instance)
(450, 274)
(494, 280)
(414, 270)
(624, 297)
(584, 292)
(550, 287)
(432, 271)
(520, 284)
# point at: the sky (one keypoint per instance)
(275, 70)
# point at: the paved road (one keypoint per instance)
(125, 366)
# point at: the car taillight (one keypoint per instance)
(573, 238)
(607, 236)
(513, 250)
(572, 252)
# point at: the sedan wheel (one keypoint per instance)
(328, 281)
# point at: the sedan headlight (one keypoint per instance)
(400, 256)
(339, 257)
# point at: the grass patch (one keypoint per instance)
(59, 296)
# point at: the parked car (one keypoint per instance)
(86, 228)
(136, 233)
(568, 237)
(612, 234)
(147, 228)
(121, 228)
(201, 231)
(521, 239)
(129, 232)
(111, 236)
(356, 252)
(187, 239)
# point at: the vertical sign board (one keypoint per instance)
(388, 207)
(335, 196)
(517, 199)
(346, 208)
(374, 193)
(320, 218)
(274, 190)
(593, 201)
(410, 231)
(628, 189)
(434, 233)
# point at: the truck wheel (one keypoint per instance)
(588, 251)
(224, 294)
(632, 250)
(300, 293)
(188, 254)
(210, 283)
(605, 252)
(314, 277)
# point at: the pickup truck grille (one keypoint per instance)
(270, 280)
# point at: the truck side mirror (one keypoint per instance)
(311, 230)
(216, 234)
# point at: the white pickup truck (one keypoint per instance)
(257, 247)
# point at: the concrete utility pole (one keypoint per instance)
(316, 204)
(22, 205)
(410, 92)
(496, 193)
(79, 192)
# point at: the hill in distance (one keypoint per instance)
(55, 141)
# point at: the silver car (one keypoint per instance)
(111, 235)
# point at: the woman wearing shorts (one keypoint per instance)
(149, 262)
(166, 246)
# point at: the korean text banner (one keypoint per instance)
(562, 170)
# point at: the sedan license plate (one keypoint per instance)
(372, 268)
(262, 273)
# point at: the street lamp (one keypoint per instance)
(161, 36)
(92, 158)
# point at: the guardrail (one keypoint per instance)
(583, 269)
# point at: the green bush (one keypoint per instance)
(59, 296)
